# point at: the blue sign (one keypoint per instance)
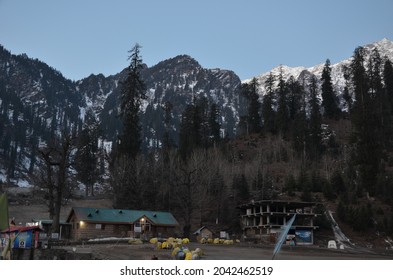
(303, 236)
(23, 240)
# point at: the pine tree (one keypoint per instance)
(190, 136)
(282, 106)
(124, 166)
(364, 122)
(303, 182)
(315, 121)
(214, 125)
(202, 118)
(268, 112)
(86, 157)
(346, 94)
(300, 135)
(132, 93)
(250, 91)
(295, 93)
(241, 189)
(388, 81)
(300, 129)
(386, 105)
(329, 98)
(337, 182)
(167, 142)
(380, 97)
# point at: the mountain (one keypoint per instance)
(176, 81)
(385, 48)
(37, 101)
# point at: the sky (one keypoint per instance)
(250, 37)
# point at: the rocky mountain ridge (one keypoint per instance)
(384, 46)
(37, 101)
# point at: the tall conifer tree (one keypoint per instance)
(124, 177)
(282, 106)
(87, 153)
(388, 81)
(364, 122)
(254, 120)
(268, 112)
(315, 131)
(132, 93)
(214, 124)
(329, 98)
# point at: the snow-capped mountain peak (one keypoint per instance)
(384, 46)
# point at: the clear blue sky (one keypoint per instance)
(80, 37)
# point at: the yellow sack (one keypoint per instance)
(186, 250)
(154, 240)
(186, 241)
(158, 245)
(188, 256)
(174, 252)
(199, 252)
(170, 240)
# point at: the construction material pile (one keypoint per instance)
(218, 241)
(135, 242)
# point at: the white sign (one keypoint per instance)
(137, 229)
(55, 235)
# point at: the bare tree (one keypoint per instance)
(184, 183)
(57, 161)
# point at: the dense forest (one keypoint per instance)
(290, 144)
(293, 142)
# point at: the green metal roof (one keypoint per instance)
(122, 216)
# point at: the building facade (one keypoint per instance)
(203, 232)
(265, 219)
(91, 223)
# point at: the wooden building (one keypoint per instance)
(45, 225)
(265, 219)
(203, 232)
(90, 223)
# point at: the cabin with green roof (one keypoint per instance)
(91, 223)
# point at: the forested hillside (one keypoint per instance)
(198, 142)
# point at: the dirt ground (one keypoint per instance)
(229, 252)
(25, 207)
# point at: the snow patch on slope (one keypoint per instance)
(385, 48)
